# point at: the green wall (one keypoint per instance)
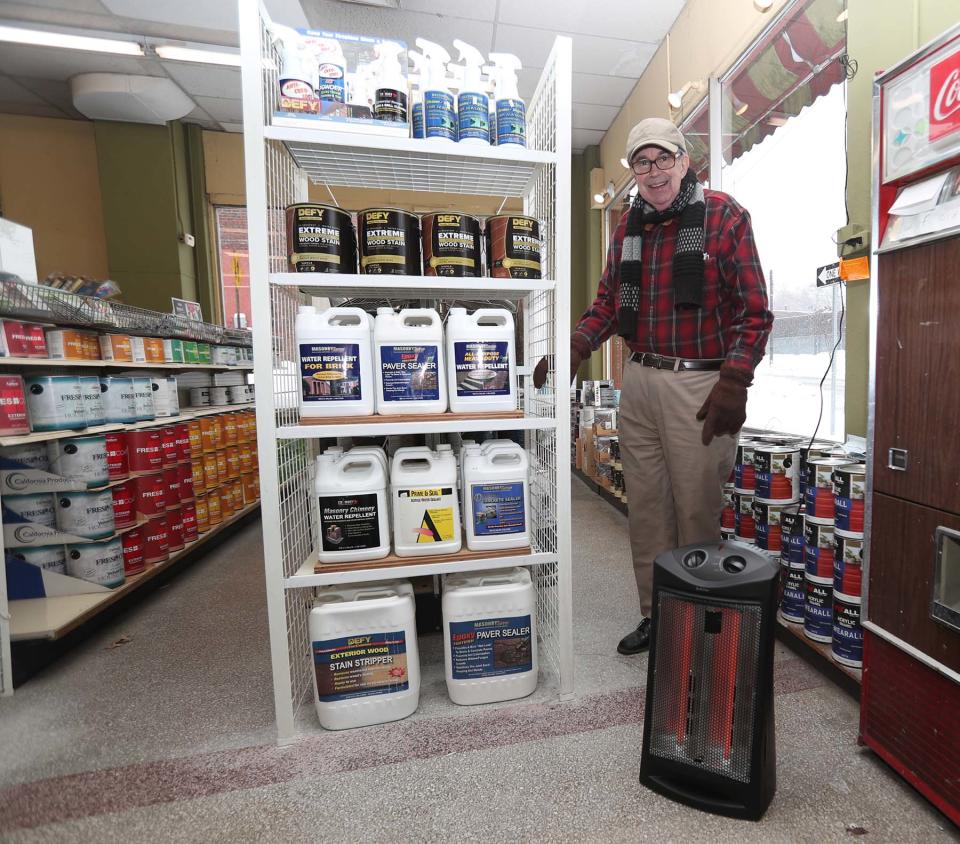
(879, 34)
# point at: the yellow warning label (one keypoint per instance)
(437, 525)
(425, 493)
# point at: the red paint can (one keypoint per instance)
(175, 529)
(144, 450)
(14, 334)
(150, 495)
(819, 486)
(169, 449)
(36, 341)
(728, 516)
(118, 465)
(13, 406)
(189, 513)
(134, 561)
(156, 541)
(171, 487)
(745, 524)
(818, 553)
(185, 470)
(182, 433)
(124, 504)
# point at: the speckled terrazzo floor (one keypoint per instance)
(169, 738)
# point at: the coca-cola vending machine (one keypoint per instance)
(910, 610)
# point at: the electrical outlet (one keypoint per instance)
(188, 239)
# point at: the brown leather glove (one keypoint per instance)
(579, 352)
(725, 409)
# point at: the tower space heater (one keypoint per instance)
(708, 729)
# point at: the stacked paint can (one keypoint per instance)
(744, 488)
(849, 484)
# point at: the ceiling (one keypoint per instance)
(611, 46)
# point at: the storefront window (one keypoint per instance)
(696, 132)
(234, 265)
(784, 159)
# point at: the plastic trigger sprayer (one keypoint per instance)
(473, 104)
(439, 115)
(511, 111)
(419, 62)
(298, 66)
(390, 91)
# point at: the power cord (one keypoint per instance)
(833, 352)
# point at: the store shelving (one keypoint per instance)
(279, 162)
(822, 649)
(51, 363)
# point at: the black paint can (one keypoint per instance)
(320, 239)
(389, 242)
(451, 245)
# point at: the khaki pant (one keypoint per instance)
(674, 483)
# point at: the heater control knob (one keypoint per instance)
(694, 559)
(734, 564)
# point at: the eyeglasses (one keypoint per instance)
(666, 161)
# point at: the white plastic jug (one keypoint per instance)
(352, 503)
(489, 636)
(424, 502)
(481, 360)
(497, 496)
(335, 362)
(409, 361)
(365, 656)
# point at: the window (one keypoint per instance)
(234, 265)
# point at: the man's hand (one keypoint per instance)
(579, 352)
(725, 409)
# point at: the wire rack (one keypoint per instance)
(39, 303)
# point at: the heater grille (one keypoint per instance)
(705, 684)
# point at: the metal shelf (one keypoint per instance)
(411, 286)
(119, 364)
(388, 163)
(306, 577)
(380, 425)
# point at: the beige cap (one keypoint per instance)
(657, 132)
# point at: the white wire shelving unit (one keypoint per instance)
(279, 163)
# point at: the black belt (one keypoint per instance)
(676, 364)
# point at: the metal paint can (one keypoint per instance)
(189, 513)
(47, 557)
(812, 451)
(143, 399)
(847, 565)
(223, 470)
(182, 432)
(124, 504)
(97, 562)
(514, 246)
(227, 504)
(219, 437)
(728, 515)
(185, 471)
(118, 464)
(233, 461)
(792, 603)
(15, 338)
(727, 534)
(54, 402)
(175, 529)
(451, 245)
(744, 473)
(320, 239)
(196, 439)
(92, 400)
(151, 496)
(745, 527)
(191, 352)
(237, 394)
(37, 508)
(36, 341)
(28, 455)
(202, 514)
(199, 479)
(115, 347)
(119, 400)
(80, 459)
(218, 396)
(767, 516)
(249, 488)
(849, 489)
(389, 242)
(214, 510)
(204, 355)
(777, 473)
(133, 552)
(173, 395)
(173, 351)
(847, 644)
(171, 486)
(156, 540)
(230, 432)
(160, 396)
(86, 514)
(199, 397)
(169, 450)
(818, 548)
(818, 608)
(792, 540)
(211, 475)
(145, 450)
(819, 491)
(153, 349)
(208, 434)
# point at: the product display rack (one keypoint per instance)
(278, 163)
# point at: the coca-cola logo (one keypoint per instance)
(945, 97)
(947, 100)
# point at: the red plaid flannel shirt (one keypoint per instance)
(733, 323)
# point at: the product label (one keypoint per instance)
(360, 666)
(473, 112)
(330, 85)
(349, 522)
(793, 593)
(482, 368)
(430, 509)
(491, 647)
(451, 245)
(498, 509)
(511, 122)
(390, 105)
(330, 372)
(418, 120)
(439, 115)
(410, 373)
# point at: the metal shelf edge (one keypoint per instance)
(494, 287)
(309, 432)
(118, 364)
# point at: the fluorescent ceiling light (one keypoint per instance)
(46, 38)
(188, 54)
(598, 198)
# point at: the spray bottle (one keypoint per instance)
(511, 112)
(416, 87)
(473, 104)
(439, 115)
(332, 70)
(298, 64)
(360, 86)
(390, 85)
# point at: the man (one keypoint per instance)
(684, 288)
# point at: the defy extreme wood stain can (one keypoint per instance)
(451, 245)
(514, 246)
(320, 239)
(389, 242)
